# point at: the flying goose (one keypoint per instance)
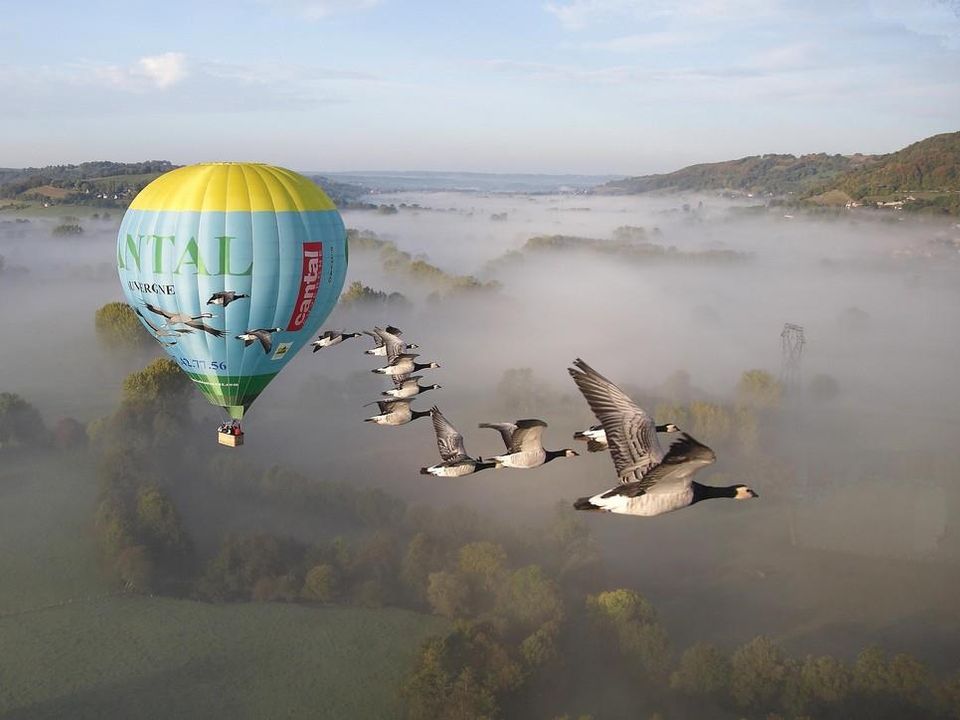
(395, 412)
(179, 318)
(225, 297)
(524, 449)
(381, 348)
(651, 482)
(330, 338)
(596, 438)
(388, 342)
(160, 332)
(404, 364)
(407, 386)
(263, 335)
(455, 461)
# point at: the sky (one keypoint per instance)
(565, 86)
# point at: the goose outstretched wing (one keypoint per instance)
(449, 439)
(395, 346)
(682, 460)
(506, 431)
(631, 432)
(526, 437)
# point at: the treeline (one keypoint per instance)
(22, 427)
(14, 182)
(932, 164)
(397, 261)
(629, 244)
(771, 173)
(358, 294)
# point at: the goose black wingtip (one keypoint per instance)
(584, 504)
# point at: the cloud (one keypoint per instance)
(163, 70)
(320, 9)
(93, 87)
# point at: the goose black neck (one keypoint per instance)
(417, 414)
(418, 366)
(554, 454)
(708, 492)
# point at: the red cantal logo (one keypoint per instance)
(309, 284)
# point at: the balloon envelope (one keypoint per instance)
(232, 267)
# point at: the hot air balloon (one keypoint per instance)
(232, 267)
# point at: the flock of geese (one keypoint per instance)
(168, 334)
(651, 481)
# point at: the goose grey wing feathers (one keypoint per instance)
(505, 430)
(406, 381)
(395, 346)
(388, 406)
(377, 340)
(631, 432)
(527, 436)
(682, 460)
(449, 439)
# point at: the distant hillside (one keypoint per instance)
(758, 174)
(97, 183)
(923, 175)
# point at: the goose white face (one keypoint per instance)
(744, 493)
(570, 453)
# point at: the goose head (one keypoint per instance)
(567, 452)
(744, 493)
(433, 365)
(435, 387)
(413, 346)
(670, 428)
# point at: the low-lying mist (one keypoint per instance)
(856, 536)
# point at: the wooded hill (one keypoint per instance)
(928, 170)
(758, 174)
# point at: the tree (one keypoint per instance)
(520, 393)
(459, 675)
(484, 561)
(948, 695)
(320, 584)
(711, 423)
(135, 569)
(161, 382)
(527, 599)
(20, 423)
(159, 526)
(759, 390)
(118, 327)
(448, 594)
(422, 557)
(760, 669)
(630, 619)
(703, 670)
(68, 434)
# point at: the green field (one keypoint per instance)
(163, 658)
(71, 648)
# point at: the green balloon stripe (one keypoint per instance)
(234, 393)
